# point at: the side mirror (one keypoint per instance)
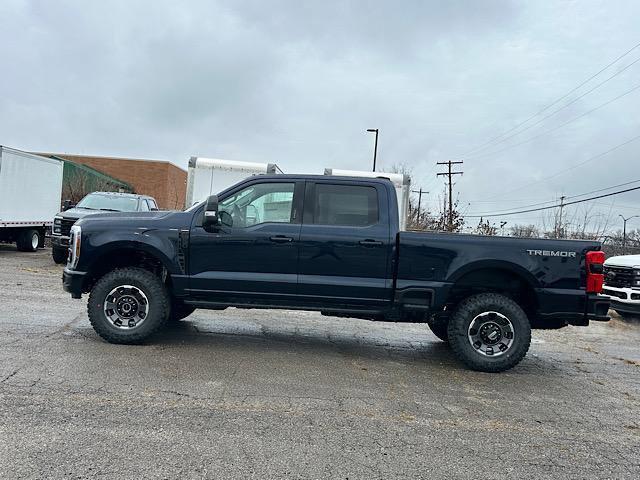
(66, 205)
(211, 217)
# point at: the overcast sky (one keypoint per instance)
(297, 83)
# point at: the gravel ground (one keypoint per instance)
(282, 394)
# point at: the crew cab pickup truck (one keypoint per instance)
(330, 244)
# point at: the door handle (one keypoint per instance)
(370, 243)
(281, 239)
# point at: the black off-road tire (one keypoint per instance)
(475, 305)
(180, 310)
(158, 299)
(27, 238)
(440, 328)
(59, 255)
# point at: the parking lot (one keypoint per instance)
(281, 394)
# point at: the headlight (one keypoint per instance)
(74, 245)
(57, 225)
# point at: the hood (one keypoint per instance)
(106, 220)
(624, 261)
(76, 213)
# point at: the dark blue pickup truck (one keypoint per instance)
(330, 244)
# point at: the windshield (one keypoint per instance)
(115, 203)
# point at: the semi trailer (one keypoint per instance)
(207, 176)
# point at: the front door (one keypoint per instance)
(346, 244)
(253, 255)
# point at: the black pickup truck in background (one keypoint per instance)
(330, 244)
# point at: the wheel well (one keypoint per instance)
(125, 257)
(495, 280)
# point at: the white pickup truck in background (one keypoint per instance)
(622, 284)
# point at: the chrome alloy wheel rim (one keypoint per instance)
(35, 240)
(126, 307)
(491, 334)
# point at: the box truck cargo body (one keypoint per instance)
(401, 183)
(30, 193)
(209, 176)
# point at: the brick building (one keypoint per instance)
(161, 179)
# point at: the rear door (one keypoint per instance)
(345, 244)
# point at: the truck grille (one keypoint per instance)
(66, 225)
(621, 277)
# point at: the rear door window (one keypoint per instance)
(345, 205)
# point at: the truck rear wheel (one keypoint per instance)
(59, 255)
(489, 332)
(29, 240)
(128, 305)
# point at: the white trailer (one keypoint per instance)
(401, 182)
(30, 193)
(209, 176)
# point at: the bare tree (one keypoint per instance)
(615, 244)
(485, 227)
(80, 183)
(525, 231)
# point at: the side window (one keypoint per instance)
(347, 205)
(152, 204)
(259, 203)
(143, 205)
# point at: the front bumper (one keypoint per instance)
(626, 300)
(625, 307)
(72, 281)
(59, 241)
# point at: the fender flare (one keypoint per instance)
(510, 267)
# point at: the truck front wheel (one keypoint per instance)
(489, 332)
(128, 305)
(59, 255)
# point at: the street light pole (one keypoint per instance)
(624, 228)
(375, 147)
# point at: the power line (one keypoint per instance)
(551, 130)
(575, 196)
(554, 102)
(561, 205)
(603, 189)
(561, 172)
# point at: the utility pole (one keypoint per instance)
(449, 174)
(419, 192)
(559, 226)
(624, 228)
(375, 147)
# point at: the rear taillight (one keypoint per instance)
(595, 271)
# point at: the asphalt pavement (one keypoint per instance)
(284, 394)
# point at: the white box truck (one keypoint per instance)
(30, 193)
(401, 182)
(209, 176)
